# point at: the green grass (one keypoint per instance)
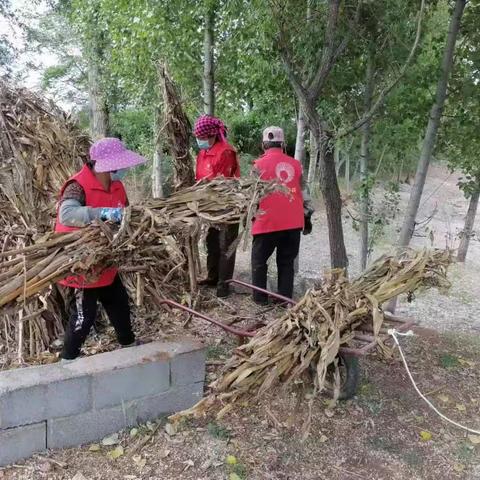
(240, 470)
(218, 431)
(465, 451)
(214, 352)
(383, 444)
(413, 459)
(449, 361)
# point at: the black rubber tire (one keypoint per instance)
(352, 376)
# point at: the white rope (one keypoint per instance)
(394, 334)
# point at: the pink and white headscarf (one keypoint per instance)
(207, 126)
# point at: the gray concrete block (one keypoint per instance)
(69, 397)
(23, 406)
(188, 368)
(21, 442)
(85, 428)
(34, 394)
(122, 385)
(175, 400)
(128, 357)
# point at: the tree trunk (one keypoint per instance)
(300, 140)
(312, 167)
(333, 200)
(432, 127)
(468, 228)
(208, 63)
(336, 159)
(157, 177)
(428, 144)
(364, 162)
(97, 101)
(347, 171)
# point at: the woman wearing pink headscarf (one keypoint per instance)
(217, 158)
(96, 193)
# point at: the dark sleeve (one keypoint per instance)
(74, 191)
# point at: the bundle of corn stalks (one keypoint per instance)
(310, 334)
(178, 131)
(144, 237)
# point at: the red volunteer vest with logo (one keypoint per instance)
(95, 196)
(280, 211)
(210, 163)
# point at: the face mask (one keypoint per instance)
(203, 144)
(119, 174)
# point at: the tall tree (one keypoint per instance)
(208, 58)
(365, 159)
(157, 177)
(299, 55)
(459, 139)
(429, 139)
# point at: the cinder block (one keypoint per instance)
(122, 385)
(188, 367)
(21, 442)
(176, 399)
(127, 357)
(34, 394)
(85, 428)
(69, 397)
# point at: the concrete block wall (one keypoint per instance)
(64, 405)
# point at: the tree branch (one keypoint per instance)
(321, 73)
(386, 91)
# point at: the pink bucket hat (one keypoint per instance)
(110, 154)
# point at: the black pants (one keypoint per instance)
(220, 267)
(83, 311)
(287, 244)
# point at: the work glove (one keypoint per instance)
(307, 228)
(111, 215)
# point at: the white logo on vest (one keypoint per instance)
(284, 172)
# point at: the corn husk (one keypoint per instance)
(309, 335)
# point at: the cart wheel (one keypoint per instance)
(349, 376)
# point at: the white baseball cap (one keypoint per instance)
(273, 134)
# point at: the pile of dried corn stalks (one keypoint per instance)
(311, 332)
(40, 147)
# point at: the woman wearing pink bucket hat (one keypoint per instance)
(96, 193)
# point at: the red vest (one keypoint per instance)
(95, 196)
(281, 211)
(210, 163)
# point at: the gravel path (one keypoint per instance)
(455, 311)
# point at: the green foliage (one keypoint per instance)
(127, 39)
(460, 139)
(135, 128)
(381, 212)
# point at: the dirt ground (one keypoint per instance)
(385, 432)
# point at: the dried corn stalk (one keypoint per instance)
(144, 238)
(178, 131)
(311, 333)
